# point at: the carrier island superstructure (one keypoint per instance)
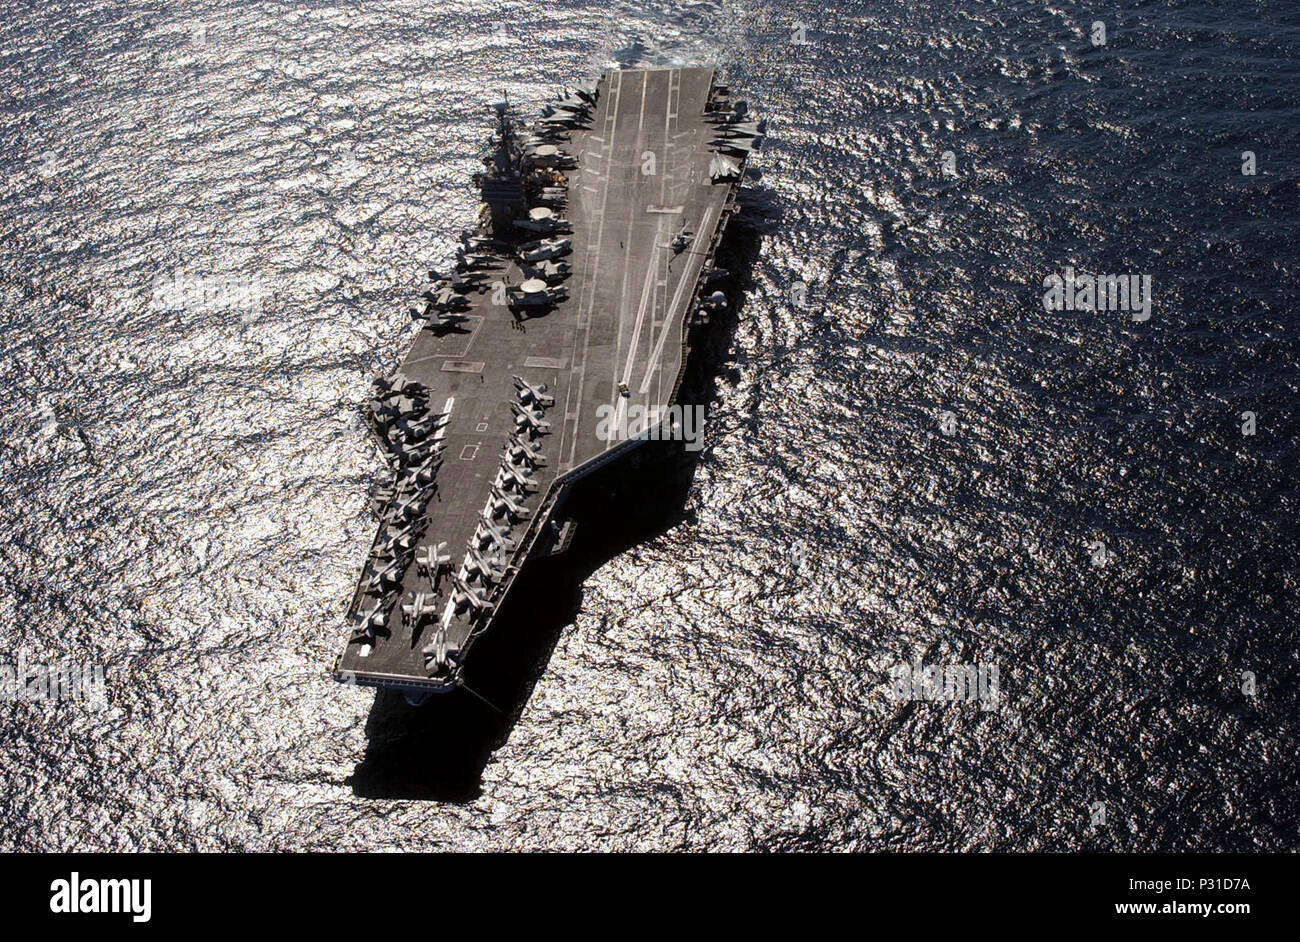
(567, 312)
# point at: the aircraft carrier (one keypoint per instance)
(556, 344)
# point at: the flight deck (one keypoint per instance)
(557, 344)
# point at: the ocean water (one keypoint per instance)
(212, 215)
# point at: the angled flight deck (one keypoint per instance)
(642, 175)
(568, 314)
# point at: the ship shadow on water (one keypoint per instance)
(437, 751)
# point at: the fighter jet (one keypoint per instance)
(376, 580)
(395, 542)
(413, 429)
(422, 490)
(475, 240)
(371, 622)
(397, 404)
(438, 314)
(441, 295)
(723, 168)
(567, 122)
(476, 567)
(565, 117)
(428, 469)
(510, 463)
(547, 134)
(384, 408)
(457, 286)
(549, 272)
(418, 423)
(435, 652)
(534, 423)
(384, 405)
(751, 131)
(520, 450)
(410, 430)
(443, 298)
(515, 479)
(412, 491)
(535, 428)
(535, 394)
(394, 404)
(736, 148)
(713, 275)
(495, 563)
(408, 386)
(542, 250)
(412, 405)
(384, 384)
(430, 560)
(374, 588)
(473, 261)
(566, 104)
(389, 576)
(413, 454)
(441, 322)
(417, 608)
(460, 581)
(557, 293)
(469, 280)
(379, 498)
(466, 598)
(411, 508)
(564, 94)
(491, 535)
(393, 437)
(504, 504)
